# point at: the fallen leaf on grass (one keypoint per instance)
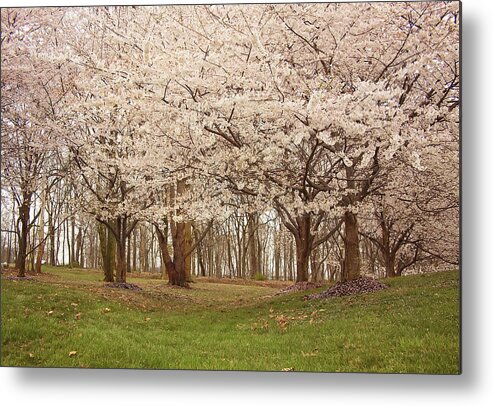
(287, 369)
(31, 355)
(74, 304)
(282, 322)
(106, 310)
(147, 319)
(262, 324)
(50, 312)
(77, 316)
(72, 353)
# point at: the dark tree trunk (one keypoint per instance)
(176, 266)
(121, 258)
(187, 244)
(24, 231)
(78, 248)
(41, 235)
(389, 261)
(107, 247)
(304, 243)
(277, 260)
(179, 258)
(51, 233)
(352, 262)
(252, 246)
(121, 263)
(134, 251)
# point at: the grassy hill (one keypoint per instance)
(67, 318)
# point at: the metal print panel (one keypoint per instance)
(268, 187)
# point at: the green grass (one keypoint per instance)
(412, 327)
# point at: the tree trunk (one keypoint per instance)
(304, 243)
(22, 249)
(63, 237)
(143, 262)
(316, 275)
(277, 259)
(121, 263)
(291, 262)
(73, 258)
(67, 236)
(134, 251)
(179, 259)
(103, 248)
(252, 245)
(352, 262)
(302, 260)
(41, 234)
(129, 240)
(51, 233)
(121, 258)
(78, 248)
(175, 267)
(199, 253)
(107, 247)
(389, 262)
(187, 244)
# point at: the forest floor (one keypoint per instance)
(67, 318)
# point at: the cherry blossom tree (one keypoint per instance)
(303, 107)
(32, 93)
(304, 112)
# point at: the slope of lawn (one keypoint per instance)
(66, 318)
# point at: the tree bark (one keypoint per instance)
(316, 275)
(78, 248)
(121, 263)
(41, 234)
(73, 258)
(121, 258)
(134, 251)
(107, 247)
(175, 267)
(277, 259)
(24, 231)
(304, 243)
(187, 245)
(352, 262)
(252, 246)
(51, 233)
